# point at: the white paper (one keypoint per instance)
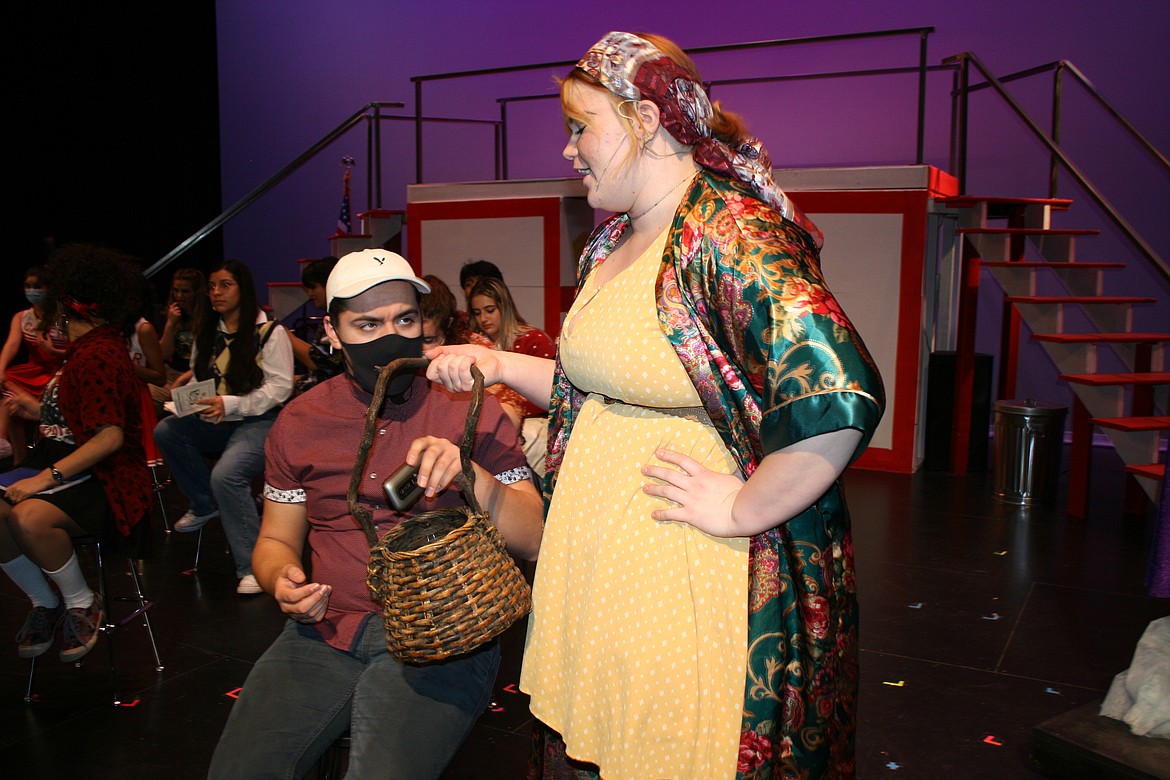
(186, 396)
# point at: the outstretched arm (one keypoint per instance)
(530, 376)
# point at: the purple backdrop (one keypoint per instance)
(287, 77)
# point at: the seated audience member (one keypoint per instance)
(250, 360)
(45, 344)
(474, 270)
(443, 321)
(316, 354)
(187, 299)
(89, 456)
(494, 314)
(329, 671)
(145, 349)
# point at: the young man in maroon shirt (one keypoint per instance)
(329, 671)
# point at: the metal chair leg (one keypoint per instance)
(144, 610)
(158, 491)
(108, 625)
(32, 670)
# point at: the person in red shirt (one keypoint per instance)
(88, 474)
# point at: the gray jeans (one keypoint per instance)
(227, 486)
(404, 721)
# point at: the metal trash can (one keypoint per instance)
(1028, 439)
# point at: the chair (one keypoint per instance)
(154, 458)
(108, 626)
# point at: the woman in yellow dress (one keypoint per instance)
(694, 614)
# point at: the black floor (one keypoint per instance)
(979, 621)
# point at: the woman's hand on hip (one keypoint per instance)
(704, 497)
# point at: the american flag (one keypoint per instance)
(344, 220)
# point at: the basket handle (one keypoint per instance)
(465, 481)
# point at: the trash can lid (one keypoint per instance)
(1030, 407)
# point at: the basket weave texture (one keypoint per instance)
(444, 578)
(445, 596)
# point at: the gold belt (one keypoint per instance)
(694, 413)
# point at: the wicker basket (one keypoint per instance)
(444, 578)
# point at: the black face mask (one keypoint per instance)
(366, 361)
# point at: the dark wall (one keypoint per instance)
(114, 109)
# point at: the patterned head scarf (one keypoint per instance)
(634, 68)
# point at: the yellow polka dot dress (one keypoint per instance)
(637, 643)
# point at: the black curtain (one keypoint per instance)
(115, 132)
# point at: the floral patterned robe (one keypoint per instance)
(775, 360)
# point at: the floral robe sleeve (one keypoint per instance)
(775, 360)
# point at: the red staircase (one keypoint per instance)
(1123, 405)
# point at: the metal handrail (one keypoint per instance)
(922, 32)
(203, 232)
(961, 94)
(1058, 68)
(372, 114)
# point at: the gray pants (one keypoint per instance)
(404, 721)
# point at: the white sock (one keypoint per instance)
(29, 578)
(71, 582)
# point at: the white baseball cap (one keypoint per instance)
(359, 271)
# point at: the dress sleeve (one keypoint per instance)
(786, 334)
(813, 371)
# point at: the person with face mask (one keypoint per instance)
(45, 343)
(329, 671)
(251, 360)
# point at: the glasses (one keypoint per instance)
(224, 285)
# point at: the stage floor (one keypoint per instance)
(979, 622)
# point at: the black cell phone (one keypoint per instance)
(402, 490)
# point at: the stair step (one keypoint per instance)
(1093, 338)
(1045, 264)
(1083, 299)
(381, 213)
(984, 231)
(1133, 423)
(1101, 380)
(1153, 471)
(967, 201)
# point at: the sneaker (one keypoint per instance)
(248, 586)
(80, 632)
(191, 522)
(39, 629)
(5, 449)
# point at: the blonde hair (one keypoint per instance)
(512, 325)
